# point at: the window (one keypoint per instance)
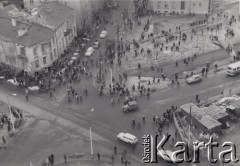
(37, 63)
(200, 4)
(166, 5)
(159, 4)
(35, 52)
(51, 56)
(55, 53)
(22, 51)
(44, 60)
(182, 5)
(46, 48)
(173, 5)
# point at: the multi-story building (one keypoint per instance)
(83, 8)
(59, 18)
(182, 6)
(31, 42)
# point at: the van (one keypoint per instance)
(128, 138)
(233, 69)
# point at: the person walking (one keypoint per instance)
(112, 157)
(115, 150)
(122, 159)
(98, 156)
(3, 140)
(65, 158)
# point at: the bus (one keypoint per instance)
(233, 69)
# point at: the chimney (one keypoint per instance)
(14, 22)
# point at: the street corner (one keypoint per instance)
(12, 121)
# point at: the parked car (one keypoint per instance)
(128, 138)
(34, 88)
(130, 106)
(89, 51)
(103, 34)
(193, 79)
(96, 44)
(13, 81)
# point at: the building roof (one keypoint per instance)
(35, 32)
(235, 104)
(215, 112)
(53, 14)
(201, 116)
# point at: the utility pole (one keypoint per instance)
(189, 129)
(90, 130)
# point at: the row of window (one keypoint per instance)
(166, 4)
(44, 59)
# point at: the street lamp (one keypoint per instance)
(90, 130)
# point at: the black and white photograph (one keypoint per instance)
(119, 82)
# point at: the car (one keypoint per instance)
(34, 88)
(130, 106)
(128, 138)
(193, 79)
(13, 81)
(96, 44)
(89, 51)
(166, 155)
(103, 34)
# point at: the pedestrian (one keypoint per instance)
(143, 118)
(112, 157)
(65, 158)
(26, 96)
(122, 159)
(115, 150)
(98, 156)
(52, 156)
(197, 98)
(125, 162)
(3, 140)
(47, 161)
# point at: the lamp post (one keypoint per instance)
(90, 131)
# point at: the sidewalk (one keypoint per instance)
(85, 163)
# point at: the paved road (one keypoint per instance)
(108, 120)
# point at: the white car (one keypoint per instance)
(103, 34)
(166, 155)
(89, 51)
(195, 78)
(128, 138)
(34, 88)
(13, 81)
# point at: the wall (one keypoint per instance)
(83, 8)
(62, 40)
(39, 51)
(190, 6)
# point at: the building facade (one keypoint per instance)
(83, 8)
(59, 18)
(31, 42)
(182, 6)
